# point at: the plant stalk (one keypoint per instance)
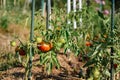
(31, 40)
(112, 35)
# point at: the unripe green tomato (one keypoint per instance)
(59, 44)
(13, 43)
(96, 78)
(62, 40)
(96, 73)
(39, 39)
(91, 78)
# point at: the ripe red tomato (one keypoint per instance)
(20, 50)
(44, 47)
(115, 66)
(88, 43)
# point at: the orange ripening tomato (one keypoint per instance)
(44, 47)
(88, 43)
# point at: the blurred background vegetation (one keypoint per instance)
(16, 11)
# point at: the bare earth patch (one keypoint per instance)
(66, 72)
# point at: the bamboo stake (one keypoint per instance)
(80, 8)
(4, 3)
(48, 26)
(68, 8)
(74, 9)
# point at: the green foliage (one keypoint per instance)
(4, 21)
(49, 60)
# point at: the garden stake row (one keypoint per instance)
(112, 34)
(31, 40)
(74, 9)
(42, 6)
(88, 3)
(68, 8)
(48, 18)
(101, 5)
(80, 8)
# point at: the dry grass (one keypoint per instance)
(7, 54)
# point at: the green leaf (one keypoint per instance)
(107, 73)
(77, 52)
(65, 50)
(101, 14)
(49, 68)
(97, 49)
(45, 60)
(56, 62)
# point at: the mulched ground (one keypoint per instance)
(69, 70)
